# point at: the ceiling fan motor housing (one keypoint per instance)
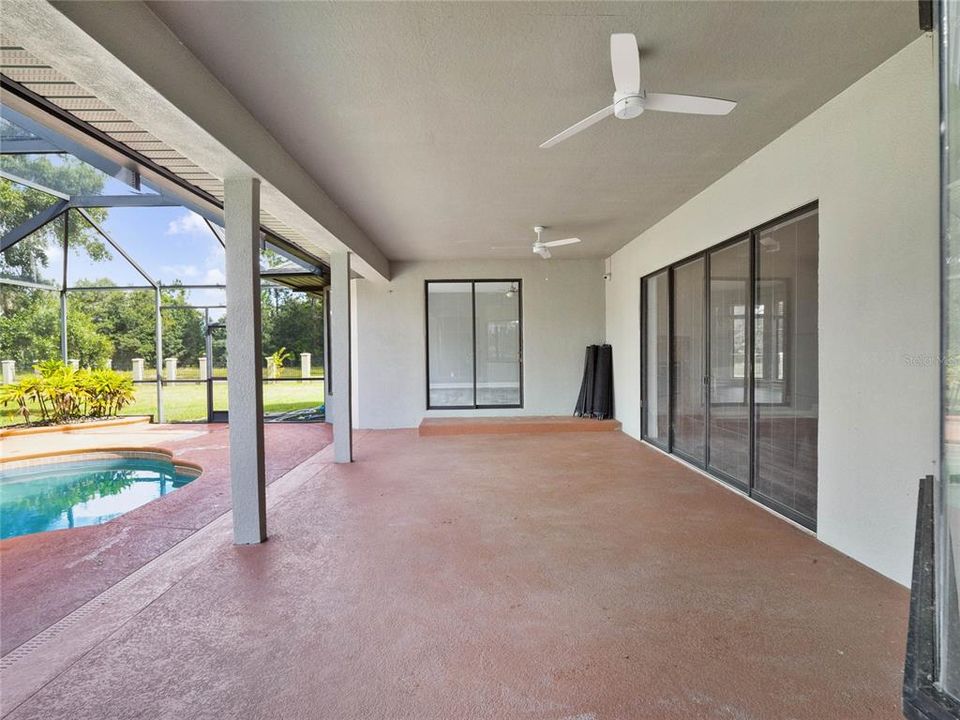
(628, 105)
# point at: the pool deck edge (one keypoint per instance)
(28, 667)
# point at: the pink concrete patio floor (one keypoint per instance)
(45, 576)
(550, 576)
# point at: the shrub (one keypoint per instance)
(63, 394)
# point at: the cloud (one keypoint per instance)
(214, 276)
(187, 224)
(180, 270)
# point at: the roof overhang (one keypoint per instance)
(128, 59)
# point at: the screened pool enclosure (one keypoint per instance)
(99, 269)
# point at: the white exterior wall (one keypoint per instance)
(562, 313)
(871, 161)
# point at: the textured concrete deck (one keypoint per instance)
(45, 576)
(551, 576)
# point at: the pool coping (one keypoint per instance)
(98, 453)
(70, 427)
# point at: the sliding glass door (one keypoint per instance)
(689, 389)
(785, 374)
(729, 371)
(656, 359)
(729, 362)
(474, 344)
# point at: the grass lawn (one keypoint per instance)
(188, 401)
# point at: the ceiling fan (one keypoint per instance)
(541, 247)
(630, 100)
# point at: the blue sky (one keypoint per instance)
(170, 243)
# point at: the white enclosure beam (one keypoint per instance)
(340, 356)
(241, 208)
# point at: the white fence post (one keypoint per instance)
(305, 365)
(74, 363)
(137, 364)
(171, 368)
(9, 371)
(202, 362)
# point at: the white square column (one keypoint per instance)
(340, 369)
(241, 210)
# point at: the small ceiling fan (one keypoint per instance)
(541, 247)
(630, 100)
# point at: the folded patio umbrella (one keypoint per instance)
(585, 399)
(603, 384)
(596, 389)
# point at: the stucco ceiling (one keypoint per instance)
(423, 120)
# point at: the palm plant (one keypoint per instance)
(18, 395)
(64, 394)
(275, 362)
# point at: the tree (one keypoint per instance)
(84, 340)
(29, 325)
(292, 320)
(18, 203)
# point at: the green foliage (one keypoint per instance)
(31, 256)
(101, 325)
(29, 325)
(277, 359)
(64, 394)
(293, 321)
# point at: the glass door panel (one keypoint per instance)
(450, 344)
(948, 510)
(785, 367)
(656, 349)
(688, 391)
(497, 321)
(729, 372)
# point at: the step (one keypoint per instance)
(526, 425)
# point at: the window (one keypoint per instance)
(474, 344)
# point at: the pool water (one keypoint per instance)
(74, 494)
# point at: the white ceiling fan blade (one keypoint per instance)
(625, 61)
(558, 243)
(513, 248)
(693, 104)
(582, 125)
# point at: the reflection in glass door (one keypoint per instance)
(785, 367)
(729, 371)
(656, 359)
(689, 390)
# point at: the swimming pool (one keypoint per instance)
(90, 491)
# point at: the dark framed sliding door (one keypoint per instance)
(785, 367)
(655, 359)
(729, 362)
(729, 367)
(688, 336)
(474, 344)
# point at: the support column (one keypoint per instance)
(158, 348)
(340, 357)
(63, 288)
(63, 326)
(241, 207)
